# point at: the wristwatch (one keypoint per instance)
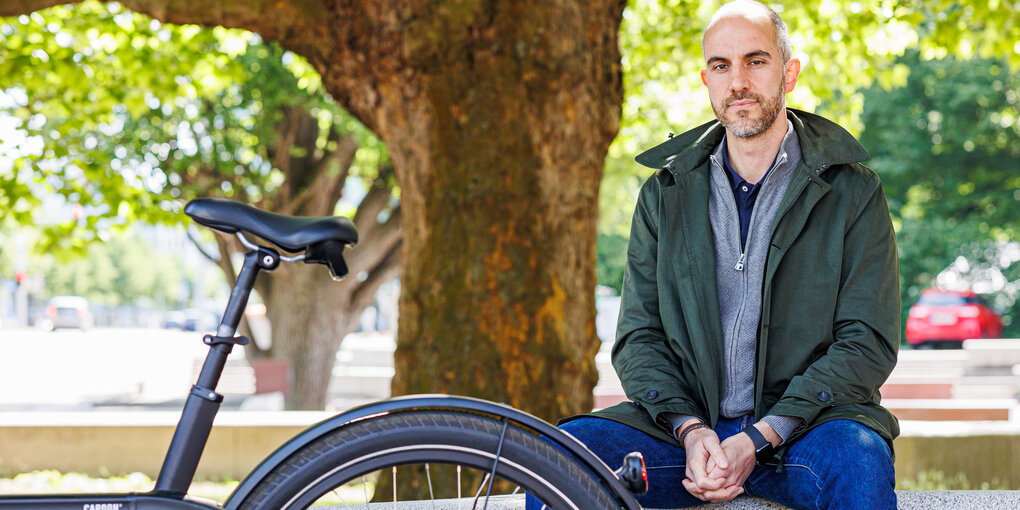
(763, 449)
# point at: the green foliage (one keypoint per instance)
(844, 45)
(611, 259)
(854, 72)
(52, 481)
(946, 146)
(131, 118)
(124, 270)
(77, 71)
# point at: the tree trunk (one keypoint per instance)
(497, 115)
(499, 157)
(310, 314)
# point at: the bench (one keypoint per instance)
(906, 500)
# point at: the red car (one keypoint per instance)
(945, 318)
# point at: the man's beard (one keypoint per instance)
(742, 127)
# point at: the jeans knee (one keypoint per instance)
(844, 449)
(873, 449)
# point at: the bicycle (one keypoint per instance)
(387, 439)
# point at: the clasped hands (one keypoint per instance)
(717, 471)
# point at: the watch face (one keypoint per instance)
(764, 454)
(762, 447)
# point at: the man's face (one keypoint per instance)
(746, 79)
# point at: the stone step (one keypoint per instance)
(972, 390)
(237, 378)
(899, 390)
(370, 382)
(947, 355)
(369, 350)
(361, 358)
(951, 409)
(992, 352)
(607, 397)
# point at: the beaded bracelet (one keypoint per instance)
(683, 435)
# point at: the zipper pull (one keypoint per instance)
(740, 263)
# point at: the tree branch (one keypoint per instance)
(378, 242)
(16, 7)
(295, 22)
(319, 198)
(346, 149)
(214, 258)
(387, 269)
(279, 154)
(377, 198)
(226, 265)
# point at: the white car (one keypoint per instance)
(67, 312)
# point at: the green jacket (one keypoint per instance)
(829, 329)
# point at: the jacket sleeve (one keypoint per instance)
(866, 320)
(647, 366)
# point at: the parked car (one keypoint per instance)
(67, 312)
(945, 318)
(192, 319)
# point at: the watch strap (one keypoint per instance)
(763, 449)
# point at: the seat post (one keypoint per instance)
(241, 291)
(254, 261)
(203, 402)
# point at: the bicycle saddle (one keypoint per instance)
(291, 233)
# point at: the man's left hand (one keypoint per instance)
(739, 450)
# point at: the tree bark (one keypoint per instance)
(499, 149)
(497, 115)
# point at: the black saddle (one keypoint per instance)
(321, 238)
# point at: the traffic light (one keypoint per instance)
(20, 276)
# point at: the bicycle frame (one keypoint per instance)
(203, 402)
(196, 420)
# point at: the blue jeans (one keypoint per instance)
(840, 464)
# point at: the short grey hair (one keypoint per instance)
(745, 7)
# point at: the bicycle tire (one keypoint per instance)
(537, 467)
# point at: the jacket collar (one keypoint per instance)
(823, 143)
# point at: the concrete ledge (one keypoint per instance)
(103, 443)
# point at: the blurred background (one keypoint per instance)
(110, 121)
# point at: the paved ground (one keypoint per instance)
(67, 369)
(118, 369)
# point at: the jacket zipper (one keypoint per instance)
(754, 375)
(730, 370)
(740, 264)
(743, 248)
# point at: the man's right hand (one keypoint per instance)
(704, 450)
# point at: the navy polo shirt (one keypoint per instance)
(744, 193)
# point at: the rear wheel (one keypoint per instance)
(430, 455)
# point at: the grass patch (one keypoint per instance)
(937, 480)
(55, 482)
